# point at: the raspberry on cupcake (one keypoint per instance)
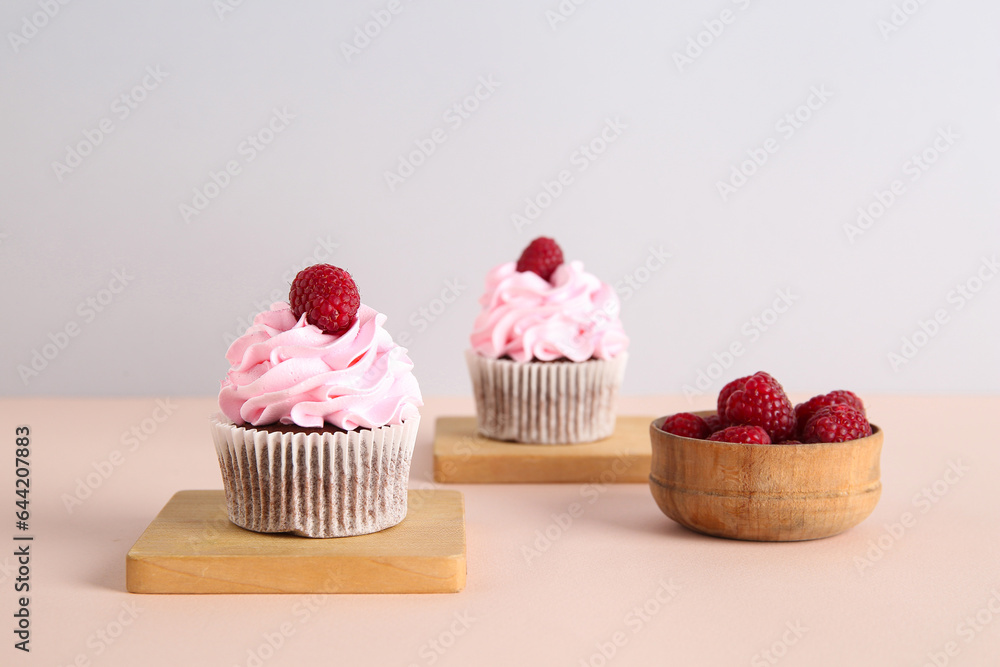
(542, 256)
(327, 296)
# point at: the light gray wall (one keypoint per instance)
(321, 181)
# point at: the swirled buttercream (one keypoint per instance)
(285, 370)
(528, 318)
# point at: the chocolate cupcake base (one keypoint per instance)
(315, 482)
(546, 402)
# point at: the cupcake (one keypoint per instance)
(548, 351)
(319, 415)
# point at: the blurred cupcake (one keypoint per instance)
(319, 415)
(548, 351)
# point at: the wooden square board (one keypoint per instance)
(461, 455)
(192, 547)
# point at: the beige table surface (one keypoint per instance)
(839, 601)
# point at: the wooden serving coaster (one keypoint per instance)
(192, 547)
(463, 456)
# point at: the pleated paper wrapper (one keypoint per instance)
(551, 402)
(320, 484)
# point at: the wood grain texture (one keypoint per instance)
(765, 492)
(192, 547)
(463, 456)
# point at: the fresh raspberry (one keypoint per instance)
(724, 395)
(747, 435)
(805, 411)
(687, 425)
(836, 423)
(848, 398)
(762, 402)
(714, 423)
(328, 297)
(543, 256)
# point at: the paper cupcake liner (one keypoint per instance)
(320, 484)
(552, 402)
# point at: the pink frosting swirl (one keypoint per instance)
(526, 317)
(285, 370)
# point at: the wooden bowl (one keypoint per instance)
(774, 493)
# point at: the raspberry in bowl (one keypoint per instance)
(319, 415)
(548, 351)
(757, 478)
